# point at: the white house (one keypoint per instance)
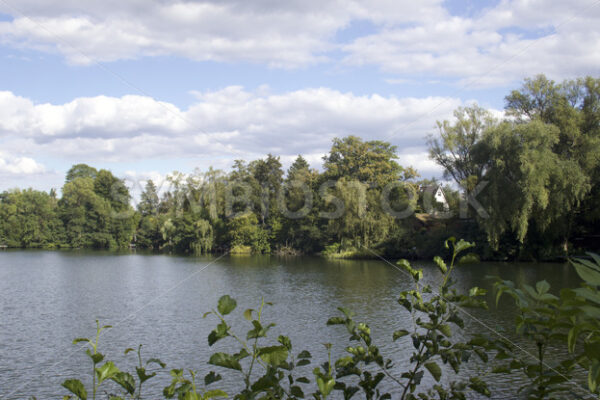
(435, 193)
(440, 197)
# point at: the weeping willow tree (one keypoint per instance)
(455, 147)
(540, 165)
(204, 237)
(528, 182)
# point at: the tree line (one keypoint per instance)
(527, 184)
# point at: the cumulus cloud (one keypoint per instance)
(498, 44)
(503, 44)
(19, 165)
(209, 30)
(224, 124)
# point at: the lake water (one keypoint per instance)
(48, 298)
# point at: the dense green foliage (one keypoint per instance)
(94, 212)
(571, 319)
(529, 185)
(536, 172)
(256, 208)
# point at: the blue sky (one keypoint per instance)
(144, 88)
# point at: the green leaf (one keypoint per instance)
(572, 338)
(417, 274)
(258, 331)
(225, 360)
(107, 371)
(592, 350)
(588, 294)
(219, 333)
(212, 377)
(591, 311)
(284, 340)
(336, 321)
(325, 385)
(191, 396)
(434, 370)
(125, 380)
(406, 265)
(445, 329)
(96, 358)
(296, 391)
(441, 264)
(344, 362)
(212, 394)
(304, 354)
(587, 271)
(78, 340)
(347, 312)
(248, 314)
(595, 257)
(542, 287)
(142, 375)
(241, 355)
(479, 386)
(462, 245)
(76, 387)
(477, 291)
(273, 355)
(399, 333)
(594, 376)
(226, 305)
(501, 369)
(156, 361)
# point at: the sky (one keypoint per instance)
(144, 87)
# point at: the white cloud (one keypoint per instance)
(497, 45)
(99, 116)
(19, 166)
(219, 127)
(504, 44)
(419, 159)
(221, 31)
(229, 121)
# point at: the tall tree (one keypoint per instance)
(301, 228)
(149, 200)
(528, 182)
(372, 162)
(29, 218)
(455, 147)
(361, 171)
(80, 171)
(86, 215)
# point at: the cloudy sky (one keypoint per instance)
(147, 87)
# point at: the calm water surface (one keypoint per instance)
(48, 298)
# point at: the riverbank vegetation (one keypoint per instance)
(527, 185)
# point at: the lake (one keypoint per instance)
(51, 297)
